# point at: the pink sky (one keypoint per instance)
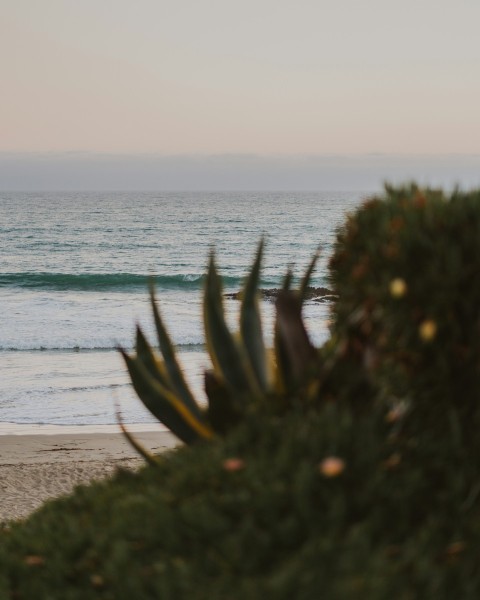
(257, 76)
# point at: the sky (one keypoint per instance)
(261, 82)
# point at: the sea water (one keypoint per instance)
(74, 269)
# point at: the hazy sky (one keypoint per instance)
(250, 94)
(205, 77)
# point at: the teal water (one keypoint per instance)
(73, 283)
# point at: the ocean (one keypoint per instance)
(74, 269)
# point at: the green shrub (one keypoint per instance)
(406, 269)
(273, 524)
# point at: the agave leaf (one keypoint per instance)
(293, 335)
(223, 412)
(287, 280)
(284, 376)
(251, 323)
(164, 405)
(224, 352)
(146, 356)
(136, 445)
(177, 380)
(308, 274)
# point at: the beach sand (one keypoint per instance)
(35, 468)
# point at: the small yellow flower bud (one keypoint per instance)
(331, 466)
(427, 330)
(398, 287)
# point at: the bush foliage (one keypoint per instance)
(406, 269)
(371, 492)
(273, 523)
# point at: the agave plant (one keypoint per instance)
(245, 376)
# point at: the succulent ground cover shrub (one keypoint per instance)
(406, 268)
(260, 514)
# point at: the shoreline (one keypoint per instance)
(38, 467)
(7, 428)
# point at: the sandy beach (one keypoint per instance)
(36, 467)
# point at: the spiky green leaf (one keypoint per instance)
(146, 356)
(300, 353)
(164, 405)
(308, 275)
(227, 357)
(177, 380)
(136, 445)
(284, 376)
(251, 323)
(223, 409)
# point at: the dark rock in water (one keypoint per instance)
(317, 294)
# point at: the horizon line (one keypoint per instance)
(158, 154)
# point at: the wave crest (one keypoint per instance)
(91, 282)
